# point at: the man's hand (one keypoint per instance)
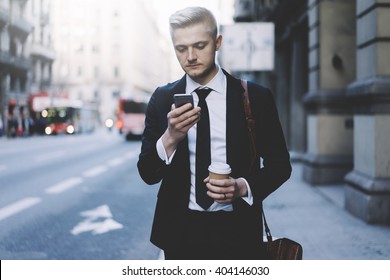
(180, 120)
(226, 190)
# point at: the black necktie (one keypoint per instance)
(203, 155)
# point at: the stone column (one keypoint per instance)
(368, 186)
(331, 69)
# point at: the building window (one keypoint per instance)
(116, 72)
(116, 94)
(95, 48)
(14, 84)
(23, 83)
(13, 47)
(79, 48)
(34, 72)
(96, 72)
(79, 71)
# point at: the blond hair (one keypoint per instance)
(193, 15)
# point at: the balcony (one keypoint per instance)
(14, 63)
(4, 17)
(41, 52)
(20, 27)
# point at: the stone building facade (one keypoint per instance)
(26, 56)
(332, 87)
(15, 64)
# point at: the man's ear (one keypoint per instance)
(218, 42)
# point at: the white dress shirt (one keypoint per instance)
(216, 102)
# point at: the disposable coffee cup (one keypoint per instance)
(219, 170)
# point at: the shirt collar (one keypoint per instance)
(216, 84)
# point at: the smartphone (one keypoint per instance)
(182, 98)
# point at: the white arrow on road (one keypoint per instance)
(97, 227)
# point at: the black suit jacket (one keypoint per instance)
(173, 197)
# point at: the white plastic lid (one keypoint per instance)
(220, 168)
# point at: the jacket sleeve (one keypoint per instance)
(271, 146)
(150, 166)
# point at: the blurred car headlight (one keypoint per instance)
(70, 129)
(48, 130)
(109, 123)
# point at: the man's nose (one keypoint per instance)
(191, 55)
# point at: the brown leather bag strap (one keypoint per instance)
(251, 124)
(250, 120)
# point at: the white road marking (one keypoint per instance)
(116, 161)
(96, 227)
(99, 212)
(95, 171)
(64, 185)
(18, 206)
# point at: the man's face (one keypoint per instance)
(195, 49)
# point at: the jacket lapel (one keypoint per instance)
(179, 86)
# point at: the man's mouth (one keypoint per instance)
(193, 65)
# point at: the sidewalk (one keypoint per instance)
(315, 217)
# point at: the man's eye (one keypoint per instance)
(200, 46)
(181, 49)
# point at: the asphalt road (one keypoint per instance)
(74, 197)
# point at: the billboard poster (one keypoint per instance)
(248, 46)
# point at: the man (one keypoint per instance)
(231, 227)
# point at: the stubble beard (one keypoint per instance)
(202, 77)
